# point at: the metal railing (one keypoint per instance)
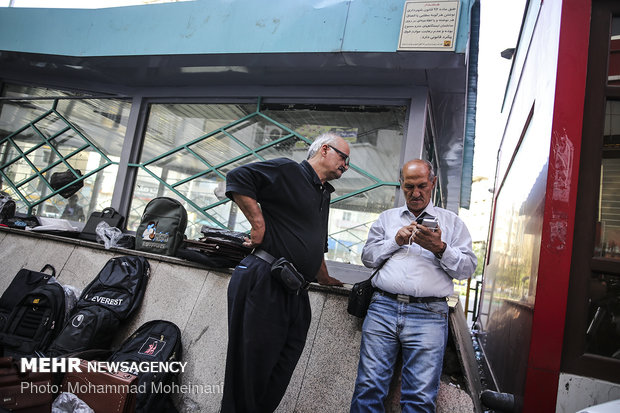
(49, 142)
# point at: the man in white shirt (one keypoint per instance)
(409, 309)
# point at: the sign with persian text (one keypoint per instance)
(429, 25)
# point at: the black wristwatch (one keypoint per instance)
(440, 253)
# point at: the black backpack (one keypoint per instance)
(7, 206)
(34, 322)
(119, 286)
(154, 341)
(24, 282)
(162, 226)
(112, 297)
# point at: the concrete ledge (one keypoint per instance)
(194, 298)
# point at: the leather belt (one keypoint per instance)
(410, 299)
(264, 255)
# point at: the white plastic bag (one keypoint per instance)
(70, 403)
(109, 235)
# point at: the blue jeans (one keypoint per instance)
(421, 331)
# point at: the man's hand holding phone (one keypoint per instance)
(430, 223)
(427, 235)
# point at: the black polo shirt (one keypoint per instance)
(295, 205)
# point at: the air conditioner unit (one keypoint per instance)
(272, 133)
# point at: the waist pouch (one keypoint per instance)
(287, 275)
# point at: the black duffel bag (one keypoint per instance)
(60, 179)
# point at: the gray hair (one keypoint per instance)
(429, 166)
(328, 138)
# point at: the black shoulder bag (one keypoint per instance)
(108, 215)
(361, 294)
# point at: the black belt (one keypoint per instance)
(284, 271)
(410, 299)
(264, 255)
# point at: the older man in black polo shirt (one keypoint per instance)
(267, 321)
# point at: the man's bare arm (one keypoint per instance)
(254, 215)
(324, 278)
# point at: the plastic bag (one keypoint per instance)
(70, 403)
(72, 296)
(109, 235)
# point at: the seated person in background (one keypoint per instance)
(73, 211)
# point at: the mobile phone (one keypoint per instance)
(430, 223)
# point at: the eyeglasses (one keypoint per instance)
(343, 155)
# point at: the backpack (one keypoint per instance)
(119, 286)
(7, 206)
(162, 226)
(88, 328)
(34, 322)
(24, 282)
(154, 341)
(112, 297)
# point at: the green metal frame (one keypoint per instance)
(209, 168)
(255, 152)
(9, 140)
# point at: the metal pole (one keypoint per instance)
(478, 283)
(467, 296)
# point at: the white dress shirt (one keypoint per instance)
(411, 269)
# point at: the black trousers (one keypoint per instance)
(267, 329)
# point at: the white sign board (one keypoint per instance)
(429, 25)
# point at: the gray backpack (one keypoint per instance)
(162, 226)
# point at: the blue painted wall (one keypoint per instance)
(213, 26)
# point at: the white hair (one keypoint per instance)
(328, 138)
